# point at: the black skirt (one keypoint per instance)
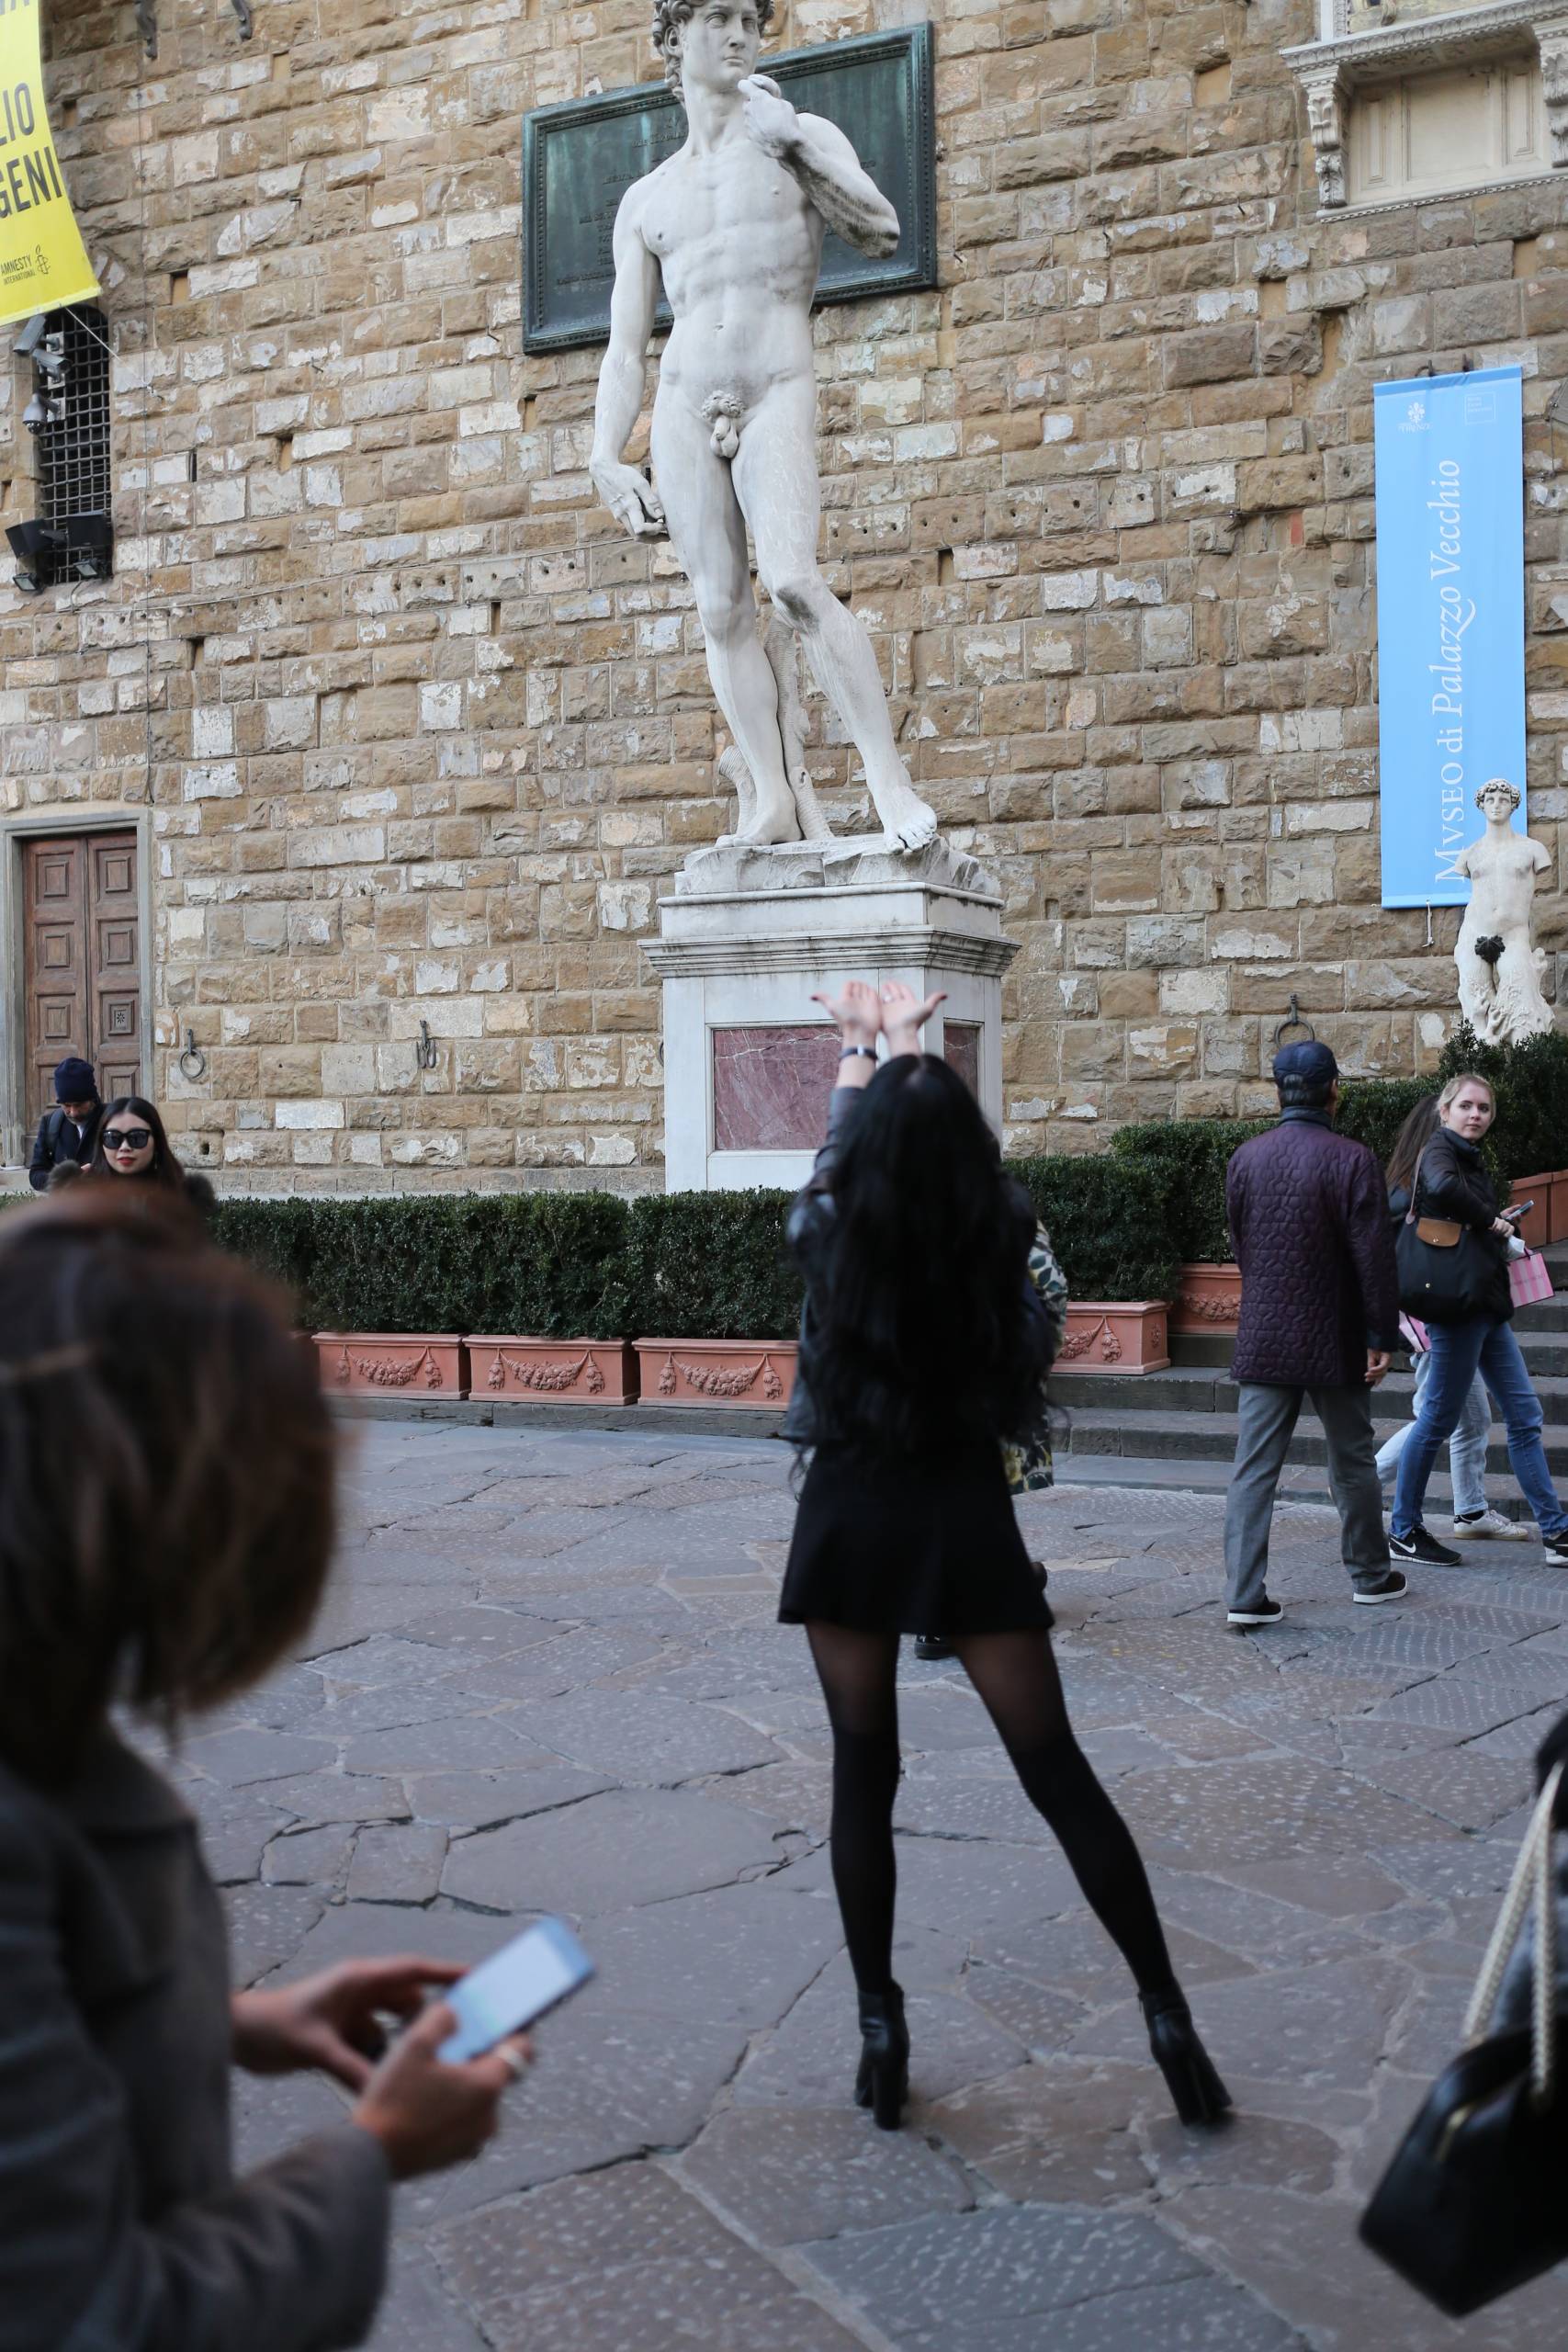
(924, 1546)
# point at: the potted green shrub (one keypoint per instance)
(711, 1271)
(1111, 1226)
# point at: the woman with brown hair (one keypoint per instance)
(167, 1520)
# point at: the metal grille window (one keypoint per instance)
(68, 415)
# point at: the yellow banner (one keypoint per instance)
(43, 262)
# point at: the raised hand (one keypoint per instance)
(904, 1016)
(857, 1011)
(771, 120)
(632, 500)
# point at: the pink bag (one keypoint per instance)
(1529, 1278)
(1414, 1334)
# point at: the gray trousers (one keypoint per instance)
(1268, 1417)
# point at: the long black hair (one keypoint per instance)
(1409, 1144)
(922, 1330)
(162, 1168)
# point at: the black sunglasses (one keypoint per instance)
(127, 1138)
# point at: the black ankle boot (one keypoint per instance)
(882, 2082)
(1190, 2076)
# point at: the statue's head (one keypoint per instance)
(724, 47)
(1498, 797)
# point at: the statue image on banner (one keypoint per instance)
(733, 225)
(1499, 967)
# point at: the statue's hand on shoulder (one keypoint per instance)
(632, 500)
(771, 120)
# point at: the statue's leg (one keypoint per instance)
(708, 534)
(775, 479)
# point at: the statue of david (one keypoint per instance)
(733, 225)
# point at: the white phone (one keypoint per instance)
(515, 1985)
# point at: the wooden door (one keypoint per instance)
(114, 967)
(82, 963)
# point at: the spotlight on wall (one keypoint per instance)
(30, 543)
(89, 540)
(32, 334)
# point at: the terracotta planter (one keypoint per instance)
(757, 1373)
(393, 1363)
(1207, 1300)
(553, 1372)
(1537, 1228)
(1115, 1336)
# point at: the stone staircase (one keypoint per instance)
(1176, 1429)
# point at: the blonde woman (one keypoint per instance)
(1451, 1183)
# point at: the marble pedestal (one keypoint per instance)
(747, 937)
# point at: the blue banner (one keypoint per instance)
(1450, 453)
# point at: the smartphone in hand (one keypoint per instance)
(514, 1987)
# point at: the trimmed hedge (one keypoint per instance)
(711, 1266)
(1530, 1133)
(554, 1265)
(1110, 1222)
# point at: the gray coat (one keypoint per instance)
(122, 2226)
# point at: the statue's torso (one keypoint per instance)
(1502, 882)
(738, 244)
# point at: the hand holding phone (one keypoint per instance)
(1520, 1208)
(517, 1984)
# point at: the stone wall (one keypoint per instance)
(424, 737)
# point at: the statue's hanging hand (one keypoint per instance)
(771, 120)
(632, 500)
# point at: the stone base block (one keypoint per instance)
(746, 940)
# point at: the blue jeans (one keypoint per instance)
(1467, 1447)
(1459, 1352)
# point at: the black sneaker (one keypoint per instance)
(1419, 1545)
(1394, 1586)
(932, 1647)
(1262, 1613)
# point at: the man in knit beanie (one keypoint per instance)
(68, 1131)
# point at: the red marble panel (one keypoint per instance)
(771, 1086)
(960, 1051)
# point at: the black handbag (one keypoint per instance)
(1473, 2203)
(1445, 1270)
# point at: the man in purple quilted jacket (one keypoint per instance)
(1309, 1222)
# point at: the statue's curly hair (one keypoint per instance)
(667, 13)
(1491, 785)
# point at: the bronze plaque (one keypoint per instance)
(578, 160)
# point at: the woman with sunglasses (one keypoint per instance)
(131, 1143)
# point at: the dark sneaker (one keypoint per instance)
(1419, 1545)
(1394, 1587)
(932, 1647)
(1262, 1613)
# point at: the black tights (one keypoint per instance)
(1016, 1676)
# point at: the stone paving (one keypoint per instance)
(548, 1678)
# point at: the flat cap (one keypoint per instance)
(1308, 1063)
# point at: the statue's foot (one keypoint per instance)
(906, 819)
(767, 830)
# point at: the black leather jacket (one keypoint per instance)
(810, 1232)
(1452, 1182)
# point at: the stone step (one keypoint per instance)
(1299, 1483)
(1155, 1436)
(1188, 1388)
